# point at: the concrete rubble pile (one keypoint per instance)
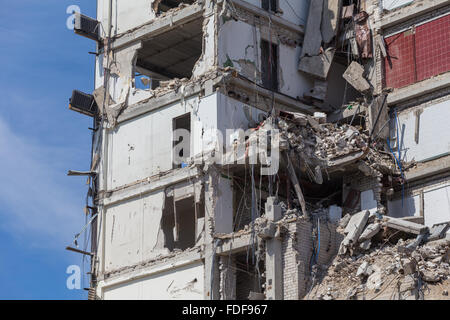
(321, 141)
(386, 258)
(318, 143)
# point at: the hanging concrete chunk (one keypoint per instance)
(313, 39)
(330, 19)
(354, 76)
(319, 65)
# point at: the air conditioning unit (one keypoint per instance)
(83, 103)
(87, 27)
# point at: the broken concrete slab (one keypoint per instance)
(355, 227)
(419, 220)
(318, 65)
(345, 220)
(438, 231)
(405, 226)
(363, 269)
(355, 76)
(313, 39)
(370, 231)
(330, 19)
(350, 224)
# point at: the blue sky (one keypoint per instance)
(41, 209)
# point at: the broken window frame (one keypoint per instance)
(175, 143)
(176, 236)
(270, 81)
(270, 5)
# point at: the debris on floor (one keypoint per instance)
(385, 259)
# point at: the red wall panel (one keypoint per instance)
(433, 48)
(418, 55)
(400, 65)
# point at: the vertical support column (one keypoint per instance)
(274, 269)
(227, 278)
(212, 275)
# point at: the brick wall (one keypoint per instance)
(297, 250)
(418, 53)
(330, 241)
(296, 254)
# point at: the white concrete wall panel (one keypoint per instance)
(132, 14)
(142, 146)
(241, 53)
(183, 283)
(131, 231)
(295, 11)
(437, 204)
(434, 126)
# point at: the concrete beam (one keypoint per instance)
(158, 102)
(417, 8)
(403, 225)
(430, 168)
(419, 89)
(283, 102)
(159, 25)
(274, 267)
(212, 273)
(141, 271)
(338, 162)
(239, 243)
(313, 37)
(289, 104)
(263, 13)
(149, 185)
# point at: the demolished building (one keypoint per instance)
(243, 148)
